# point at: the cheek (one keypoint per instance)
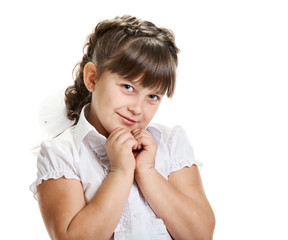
(105, 100)
(150, 111)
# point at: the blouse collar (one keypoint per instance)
(83, 128)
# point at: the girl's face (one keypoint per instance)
(118, 102)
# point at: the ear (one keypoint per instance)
(90, 75)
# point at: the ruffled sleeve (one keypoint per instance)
(55, 160)
(181, 151)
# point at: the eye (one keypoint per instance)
(154, 97)
(128, 87)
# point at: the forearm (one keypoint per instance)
(99, 218)
(184, 217)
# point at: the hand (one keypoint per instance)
(119, 147)
(146, 149)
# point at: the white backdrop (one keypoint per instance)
(231, 97)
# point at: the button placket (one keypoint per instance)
(138, 230)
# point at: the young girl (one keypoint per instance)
(113, 174)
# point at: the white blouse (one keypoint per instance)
(79, 153)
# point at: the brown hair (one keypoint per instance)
(131, 48)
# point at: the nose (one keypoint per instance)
(135, 109)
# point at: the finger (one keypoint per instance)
(144, 138)
(125, 137)
(131, 142)
(116, 133)
(142, 133)
(136, 131)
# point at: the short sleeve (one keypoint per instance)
(181, 151)
(55, 160)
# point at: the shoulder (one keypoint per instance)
(63, 144)
(174, 147)
(56, 158)
(58, 155)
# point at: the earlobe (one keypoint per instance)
(89, 75)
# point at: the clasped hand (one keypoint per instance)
(131, 151)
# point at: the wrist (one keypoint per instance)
(143, 172)
(122, 172)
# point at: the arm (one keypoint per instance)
(180, 202)
(67, 216)
(62, 202)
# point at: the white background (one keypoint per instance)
(231, 97)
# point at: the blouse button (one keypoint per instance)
(135, 215)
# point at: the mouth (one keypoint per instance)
(126, 120)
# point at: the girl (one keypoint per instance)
(113, 174)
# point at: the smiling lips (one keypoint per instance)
(126, 120)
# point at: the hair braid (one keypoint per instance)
(77, 95)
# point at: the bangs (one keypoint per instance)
(148, 61)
